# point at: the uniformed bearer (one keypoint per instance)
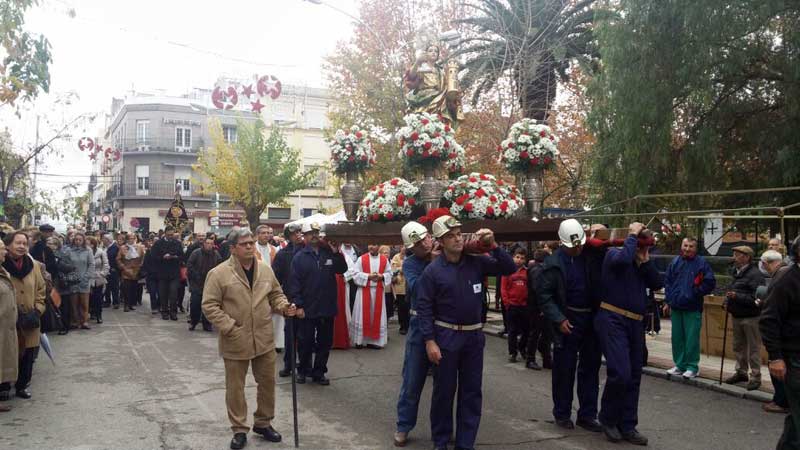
(449, 308)
(627, 274)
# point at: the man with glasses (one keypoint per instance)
(239, 298)
(312, 287)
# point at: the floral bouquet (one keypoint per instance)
(390, 200)
(351, 150)
(456, 162)
(478, 196)
(426, 138)
(529, 144)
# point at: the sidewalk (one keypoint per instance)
(660, 359)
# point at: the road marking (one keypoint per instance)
(133, 349)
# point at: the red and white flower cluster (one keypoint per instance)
(390, 200)
(456, 162)
(351, 150)
(478, 196)
(426, 138)
(529, 144)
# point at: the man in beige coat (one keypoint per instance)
(239, 297)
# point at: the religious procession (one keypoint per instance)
(471, 224)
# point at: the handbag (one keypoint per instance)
(51, 319)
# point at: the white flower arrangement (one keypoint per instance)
(390, 200)
(529, 144)
(478, 196)
(351, 150)
(426, 138)
(456, 162)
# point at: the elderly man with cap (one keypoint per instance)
(449, 309)
(417, 240)
(627, 274)
(312, 287)
(740, 302)
(568, 295)
(282, 266)
(42, 253)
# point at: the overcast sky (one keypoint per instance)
(113, 46)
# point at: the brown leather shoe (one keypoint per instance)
(400, 439)
(5, 408)
(772, 407)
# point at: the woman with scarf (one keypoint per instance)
(200, 262)
(29, 289)
(9, 347)
(83, 259)
(129, 260)
(101, 268)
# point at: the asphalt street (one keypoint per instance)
(137, 382)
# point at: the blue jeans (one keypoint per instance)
(576, 354)
(415, 370)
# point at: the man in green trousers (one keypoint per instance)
(689, 278)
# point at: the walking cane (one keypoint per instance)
(724, 342)
(293, 365)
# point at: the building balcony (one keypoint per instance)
(131, 191)
(159, 145)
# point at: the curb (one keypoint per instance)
(702, 383)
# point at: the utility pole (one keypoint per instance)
(35, 171)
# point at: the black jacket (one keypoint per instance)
(112, 252)
(282, 264)
(168, 269)
(780, 320)
(198, 265)
(42, 253)
(744, 285)
(534, 273)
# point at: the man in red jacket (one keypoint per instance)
(514, 292)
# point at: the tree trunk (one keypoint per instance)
(537, 91)
(253, 215)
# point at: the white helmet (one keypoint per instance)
(443, 224)
(571, 233)
(412, 233)
(309, 227)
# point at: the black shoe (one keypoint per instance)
(165, 317)
(635, 438)
(106, 305)
(322, 381)
(736, 378)
(612, 433)
(132, 308)
(125, 308)
(532, 365)
(503, 333)
(4, 396)
(512, 358)
(753, 385)
(24, 393)
(154, 312)
(99, 320)
(590, 425)
(207, 328)
(63, 332)
(283, 373)
(566, 424)
(403, 331)
(279, 350)
(116, 306)
(85, 327)
(173, 317)
(239, 441)
(269, 433)
(192, 327)
(300, 379)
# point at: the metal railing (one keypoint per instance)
(145, 190)
(158, 145)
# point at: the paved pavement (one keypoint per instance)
(137, 382)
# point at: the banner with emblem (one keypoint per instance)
(176, 216)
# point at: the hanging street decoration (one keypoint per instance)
(85, 143)
(94, 150)
(227, 98)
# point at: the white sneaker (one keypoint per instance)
(691, 374)
(675, 371)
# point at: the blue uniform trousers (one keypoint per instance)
(621, 341)
(315, 338)
(460, 371)
(415, 370)
(578, 350)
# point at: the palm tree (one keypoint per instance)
(530, 41)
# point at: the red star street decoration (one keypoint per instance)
(85, 143)
(269, 85)
(257, 106)
(117, 155)
(93, 156)
(247, 91)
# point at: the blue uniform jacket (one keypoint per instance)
(552, 286)
(312, 281)
(282, 264)
(625, 283)
(412, 269)
(453, 293)
(681, 292)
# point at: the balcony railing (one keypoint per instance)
(158, 145)
(153, 190)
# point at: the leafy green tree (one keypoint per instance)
(258, 170)
(24, 68)
(531, 42)
(697, 96)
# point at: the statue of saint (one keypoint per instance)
(432, 86)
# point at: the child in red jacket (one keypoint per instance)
(514, 292)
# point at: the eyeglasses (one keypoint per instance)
(246, 244)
